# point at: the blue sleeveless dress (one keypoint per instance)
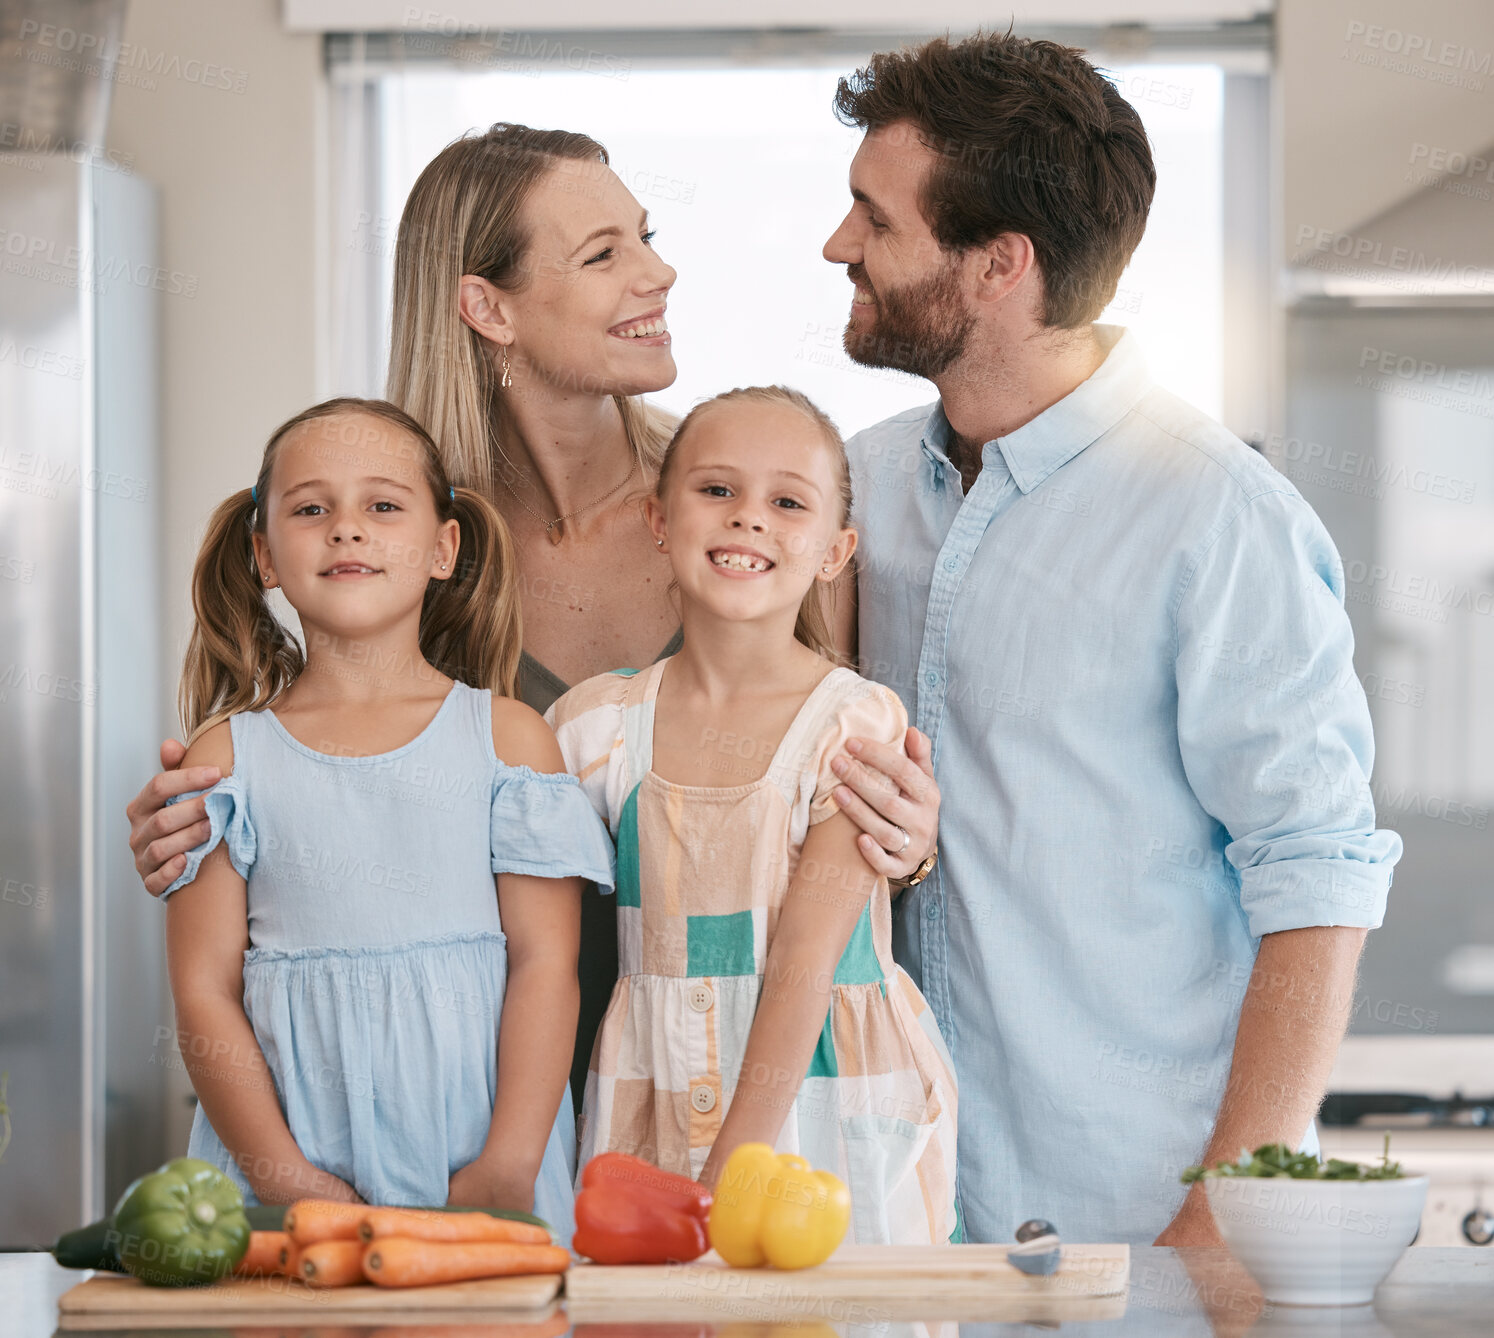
(375, 977)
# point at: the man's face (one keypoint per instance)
(909, 310)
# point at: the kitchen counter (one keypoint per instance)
(1432, 1292)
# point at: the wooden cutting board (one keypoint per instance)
(863, 1284)
(109, 1301)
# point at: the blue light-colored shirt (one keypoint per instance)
(1129, 648)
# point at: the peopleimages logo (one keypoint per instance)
(1462, 380)
(33, 256)
(122, 62)
(1436, 595)
(1419, 46)
(1333, 467)
(1366, 253)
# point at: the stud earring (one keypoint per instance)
(505, 380)
(660, 542)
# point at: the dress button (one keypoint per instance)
(703, 1098)
(701, 998)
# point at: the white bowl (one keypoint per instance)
(1317, 1242)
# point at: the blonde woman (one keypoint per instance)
(529, 317)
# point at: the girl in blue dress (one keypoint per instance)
(340, 957)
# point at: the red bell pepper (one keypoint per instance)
(629, 1212)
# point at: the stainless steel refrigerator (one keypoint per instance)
(82, 989)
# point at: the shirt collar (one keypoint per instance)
(1062, 430)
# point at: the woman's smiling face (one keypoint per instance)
(590, 318)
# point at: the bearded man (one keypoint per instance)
(1124, 634)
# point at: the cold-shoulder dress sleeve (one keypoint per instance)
(228, 818)
(543, 826)
(864, 710)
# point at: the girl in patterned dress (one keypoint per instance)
(373, 955)
(758, 999)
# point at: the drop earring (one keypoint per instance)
(505, 380)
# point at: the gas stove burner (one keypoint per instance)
(1414, 1109)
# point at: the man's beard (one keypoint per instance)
(921, 328)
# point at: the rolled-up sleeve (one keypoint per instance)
(1273, 725)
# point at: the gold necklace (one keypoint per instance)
(552, 532)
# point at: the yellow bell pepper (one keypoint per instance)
(774, 1208)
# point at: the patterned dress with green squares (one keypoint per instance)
(701, 876)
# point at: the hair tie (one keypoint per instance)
(254, 493)
(452, 491)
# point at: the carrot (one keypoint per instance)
(332, 1263)
(263, 1256)
(290, 1257)
(423, 1224)
(552, 1324)
(399, 1261)
(313, 1220)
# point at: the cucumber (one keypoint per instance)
(508, 1214)
(90, 1246)
(266, 1216)
(93, 1246)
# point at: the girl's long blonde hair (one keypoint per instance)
(812, 626)
(465, 215)
(242, 658)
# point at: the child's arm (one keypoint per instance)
(542, 920)
(207, 931)
(831, 886)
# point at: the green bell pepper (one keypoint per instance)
(181, 1225)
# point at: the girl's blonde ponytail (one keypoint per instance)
(240, 657)
(470, 625)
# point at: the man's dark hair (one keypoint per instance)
(1030, 138)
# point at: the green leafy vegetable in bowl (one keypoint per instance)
(1277, 1159)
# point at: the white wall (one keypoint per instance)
(238, 177)
(1363, 84)
(455, 16)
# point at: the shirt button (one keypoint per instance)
(932, 680)
(933, 910)
(701, 998)
(951, 564)
(703, 1098)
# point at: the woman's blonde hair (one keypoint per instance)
(812, 627)
(242, 658)
(465, 215)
